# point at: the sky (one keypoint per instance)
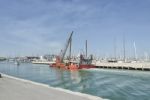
(37, 27)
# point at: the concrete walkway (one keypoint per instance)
(18, 89)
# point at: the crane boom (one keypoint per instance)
(66, 47)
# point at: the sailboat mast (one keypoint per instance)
(124, 49)
(135, 54)
(115, 49)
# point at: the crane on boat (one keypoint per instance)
(60, 58)
(84, 62)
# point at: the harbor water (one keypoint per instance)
(106, 83)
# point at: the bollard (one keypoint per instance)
(0, 76)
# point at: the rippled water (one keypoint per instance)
(111, 84)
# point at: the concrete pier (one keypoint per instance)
(40, 62)
(128, 66)
(12, 88)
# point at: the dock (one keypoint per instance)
(143, 66)
(12, 88)
(42, 62)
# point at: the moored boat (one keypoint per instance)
(82, 63)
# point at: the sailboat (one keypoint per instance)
(17, 63)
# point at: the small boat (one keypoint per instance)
(17, 63)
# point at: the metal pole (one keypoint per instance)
(86, 48)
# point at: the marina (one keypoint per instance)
(74, 50)
(84, 76)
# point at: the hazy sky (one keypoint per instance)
(30, 27)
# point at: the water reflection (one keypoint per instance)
(75, 76)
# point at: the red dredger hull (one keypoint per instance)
(73, 67)
(60, 65)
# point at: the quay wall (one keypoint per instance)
(133, 66)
